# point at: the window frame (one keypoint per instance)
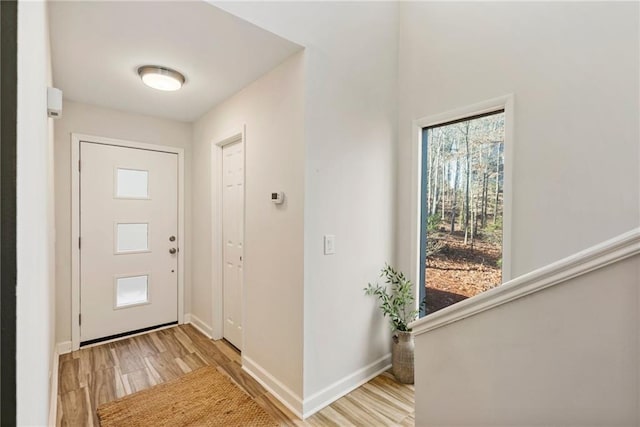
(418, 221)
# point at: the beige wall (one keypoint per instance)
(97, 121)
(565, 356)
(272, 109)
(573, 69)
(569, 354)
(35, 290)
(349, 174)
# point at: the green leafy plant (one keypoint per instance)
(397, 300)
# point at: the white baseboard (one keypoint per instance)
(53, 386)
(281, 392)
(304, 409)
(198, 324)
(64, 347)
(335, 391)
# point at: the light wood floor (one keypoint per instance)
(95, 375)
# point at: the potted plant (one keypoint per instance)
(397, 302)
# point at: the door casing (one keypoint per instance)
(76, 138)
(233, 136)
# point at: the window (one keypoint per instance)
(132, 184)
(131, 291)
(132, 238)
(462, 209)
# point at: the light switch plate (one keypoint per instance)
(329, 244)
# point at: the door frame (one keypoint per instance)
(76, 139)
(217, 266)
(418, 223)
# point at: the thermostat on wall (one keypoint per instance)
(277, 198)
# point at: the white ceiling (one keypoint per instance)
(97, 47)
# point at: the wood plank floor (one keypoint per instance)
(96, 375)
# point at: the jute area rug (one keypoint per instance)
(203, 397)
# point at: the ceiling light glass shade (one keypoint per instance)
(161, 78)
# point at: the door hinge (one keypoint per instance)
(78, 165)
(79, 242)
(80, 319)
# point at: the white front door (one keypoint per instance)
(232, 235)
(129, 240)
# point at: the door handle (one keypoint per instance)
(173, 251)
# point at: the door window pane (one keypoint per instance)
(132, 184)
(132, 237)
(132, 290)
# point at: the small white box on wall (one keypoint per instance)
(54, 102)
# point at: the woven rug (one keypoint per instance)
(203, 397)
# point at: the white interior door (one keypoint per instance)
(129, 239)
(233, 237)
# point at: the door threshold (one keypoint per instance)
(117, 337)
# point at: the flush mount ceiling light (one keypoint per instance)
(161, 78)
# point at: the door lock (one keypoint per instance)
(172, 238)
(173, 251)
